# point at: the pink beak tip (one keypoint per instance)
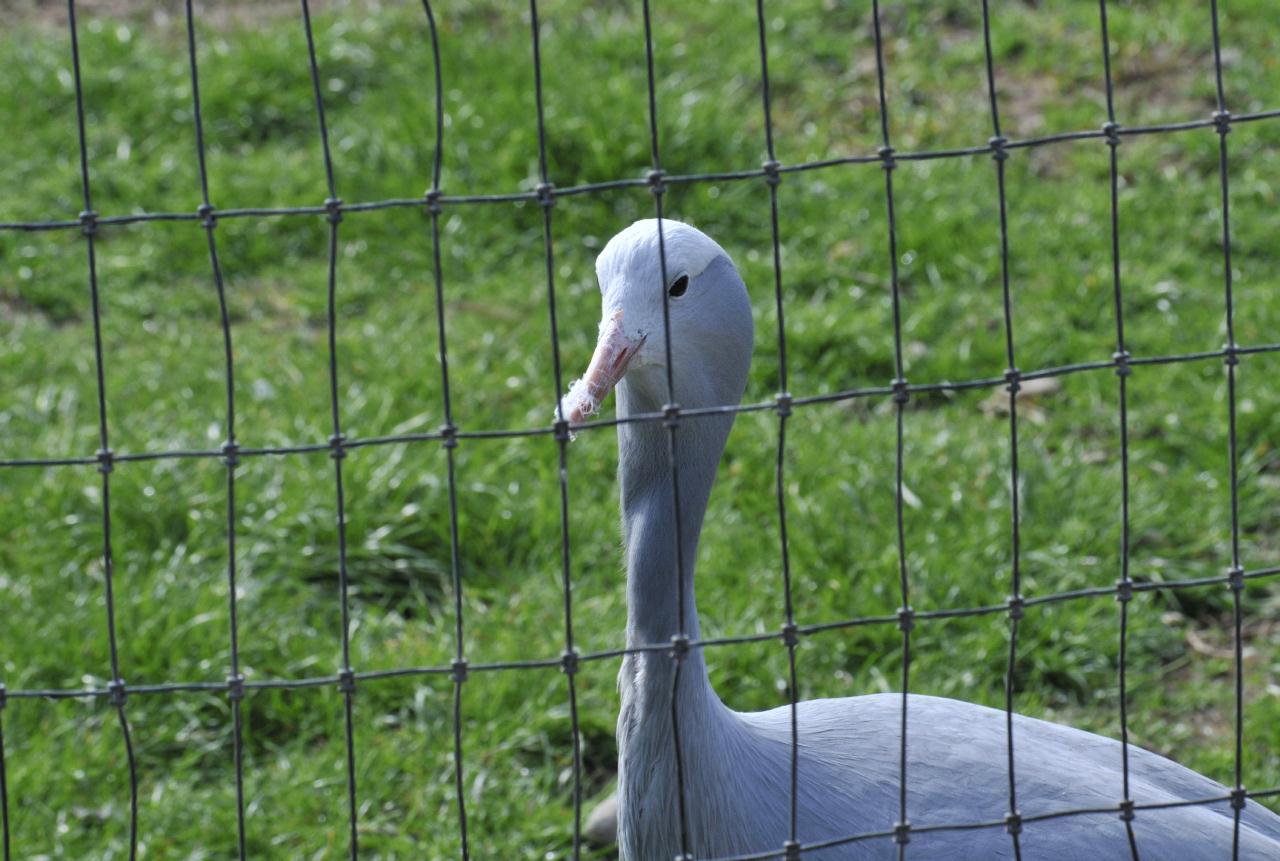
(614, 351)
(578, 404)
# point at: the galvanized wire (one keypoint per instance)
(337, 450)
(1222, 124)
(671, 418)
(1124, 592)
(235, 681)
(88, 220)
(235, 686)
(789, 638)
(569, 664)
(1013, 819)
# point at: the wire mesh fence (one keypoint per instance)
(899, 390)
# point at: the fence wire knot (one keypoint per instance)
(1017, 607)
(459, 670)
(449, 435)
(546, 194)
(569, 662)
(790, 634)
(1121, 359)
(337, 444)
(1239, 798)
(679, 646)
(106, 461)
(1222, 121)
(117, 692)
(772, 172)
(1231, 354)
(887, 161)
(208, 218)
(1235, 578)
(1013, 823)
(235, 687)
(901, 391)
(1124, 590)
(671, 415)
(3, 697)
(347, 680)
(906, 619)
(1126, 810)
(791, 851)
(333, 206)
(902, 833)
(998, 146)
(562, 433)
(1013, 381)
(231, 453)
(432, 198)
(89, 222)
(657, 180)
(1112, 132)
(782, 403)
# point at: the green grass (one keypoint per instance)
(66, 771)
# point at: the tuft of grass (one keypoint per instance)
(164, 386)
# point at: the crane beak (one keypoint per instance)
(614, 351)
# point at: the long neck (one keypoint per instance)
(658, 588)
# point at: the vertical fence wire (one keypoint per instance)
(1000, 155)
(105, 457)
(1124, 588)
(671, 411)
(1222, 122)
(337, 444)
(4, 784)
(569, 660)
(906, 617)
(789, 636)
(230, 449)
(448, 436)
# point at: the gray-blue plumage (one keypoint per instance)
(736, 766)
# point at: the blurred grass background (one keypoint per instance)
(68, 784)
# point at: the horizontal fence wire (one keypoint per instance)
(459, 433)
(231, 453)
(559, 661)
(532, 196)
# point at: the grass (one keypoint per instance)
(67, 780)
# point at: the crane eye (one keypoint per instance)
(678, 286)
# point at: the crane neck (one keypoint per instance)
(660, 590)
